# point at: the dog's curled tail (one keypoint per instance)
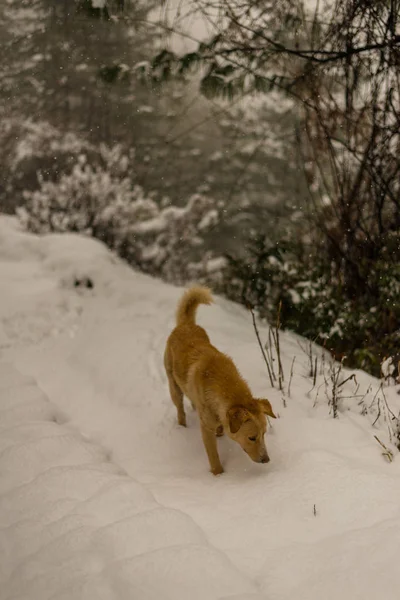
(187, 307)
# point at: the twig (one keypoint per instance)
(364, 410)
(261, 346)
(326, 385)
(308, 352)
(274, 332)
(388, 453)
(278, 346)
(291, 375)
(393, 431)
(352, 376)
(335, 396)
(316, 395)
(275, 337)
(269, 353)
(394, 418)
(379, 412)
(373, 399)
(315, 370)
(301, 347)
(322, 369)
(310, 358)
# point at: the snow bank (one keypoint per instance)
(74, 525)
(103, 495)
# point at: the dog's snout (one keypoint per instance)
(265, 459)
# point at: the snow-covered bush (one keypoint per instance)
(90, 200)
(101, 201)
(32, 152)
(315, 304)
(39, 139)
(29, 150)
(171, 243)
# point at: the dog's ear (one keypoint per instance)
(237, 415)
(266, 407)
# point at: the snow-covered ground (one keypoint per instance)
(103, 495)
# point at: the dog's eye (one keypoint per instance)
(252, 439)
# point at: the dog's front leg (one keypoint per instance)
(210, 444)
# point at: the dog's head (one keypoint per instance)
(247, 426)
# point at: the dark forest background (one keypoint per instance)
(253, 146)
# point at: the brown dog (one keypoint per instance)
(214, 386)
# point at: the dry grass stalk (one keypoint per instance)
(291, 375)
(261, 346)
(386, 452)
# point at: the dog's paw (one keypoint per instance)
(217, 470)
(182, 421)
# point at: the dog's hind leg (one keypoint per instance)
(177, 399)
(174, 389)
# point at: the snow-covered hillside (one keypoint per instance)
(103, 495)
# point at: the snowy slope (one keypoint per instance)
(103, 495)
(74, 525)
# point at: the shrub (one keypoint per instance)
(101, 201)
(32, 153)
(315, 303)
